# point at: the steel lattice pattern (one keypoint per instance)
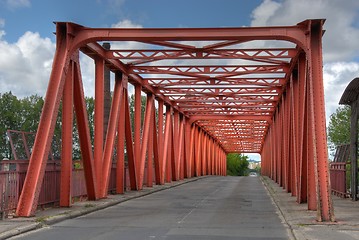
(229, 89)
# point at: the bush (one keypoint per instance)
(237, 164)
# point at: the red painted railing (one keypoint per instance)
(338, 178)
(12, 176)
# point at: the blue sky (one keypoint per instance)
(27, 42)
(37, 16)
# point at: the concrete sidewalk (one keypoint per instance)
(303, 222)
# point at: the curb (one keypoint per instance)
(279, 210)
(19, 230)
(50, 220)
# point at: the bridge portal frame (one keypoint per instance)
(293, 144)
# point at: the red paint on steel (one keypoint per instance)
(66, 154)
(99, 119)
(257, 104)
(110, 137)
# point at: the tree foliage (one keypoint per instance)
(339, 127)
(237, 164)
(132, 109)
(24, 115)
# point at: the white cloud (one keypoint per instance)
(340, 45)
(264, 12)
(13, 4)
(127, 44)
(126, 24)
(336, 78)
(340, 39)
(25, 65)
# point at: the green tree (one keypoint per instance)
(237, 164)
(10, 118)
(90, 107)
(339, 127)
(132, 109)
(31, 108)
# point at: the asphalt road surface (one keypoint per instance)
(210, 208)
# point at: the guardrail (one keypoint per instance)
(12, 177)
(338, 178)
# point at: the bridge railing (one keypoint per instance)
(12, 177)
(338, 178)
(339, 171)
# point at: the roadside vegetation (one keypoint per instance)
(237, 165)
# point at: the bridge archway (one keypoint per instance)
(218, 94)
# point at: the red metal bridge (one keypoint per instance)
(209, 92)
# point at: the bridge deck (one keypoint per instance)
(210, 208)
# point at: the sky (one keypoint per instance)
(27, 42)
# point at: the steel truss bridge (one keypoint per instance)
(209, 92)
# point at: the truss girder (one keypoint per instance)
(207, 94)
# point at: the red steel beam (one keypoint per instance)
(120, 165)
(99, 118)
(255, 104)
(67, 127)
(111, 136)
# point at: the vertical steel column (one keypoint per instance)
(204, 154)
(293, 134)
(216, 162)
(145, 138)
(354, 149)
(120, 165)
(277, 146)
(169, 169)
(132, 169)
(180, 155)
(176, 150)
(192, 166)
(281, 147)
(271, 167)
(287, 140)
(187, 149)
(30, 193)
(312, 174)
(84, 135)
(283, 143)
(198, 153)
(166, 144)
(99, 119)
(66, 153)
(325, 210)
(208, 153)
(296, 126)
(107, 93)
(160, 141)
(212, 157)
(303, 164)
(150, 148)
(111, 136)
(225, 164)
(137, 131)
(156, 151)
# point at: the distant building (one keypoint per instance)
(254, 164)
